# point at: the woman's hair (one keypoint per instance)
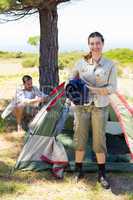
(96, 34)
(92, 35)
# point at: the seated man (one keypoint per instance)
(26, 101)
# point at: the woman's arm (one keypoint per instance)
(111, 86)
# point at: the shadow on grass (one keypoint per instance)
(11, 187)
(5, 169)
(8, 183)
(17, 182)
(8, 173)
(8, 124)
(121, 183)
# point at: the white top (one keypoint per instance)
(21, 98)
(106, 73)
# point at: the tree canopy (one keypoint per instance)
(34, 40)
(48, 18)
(21, 8)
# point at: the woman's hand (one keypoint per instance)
(101, 91)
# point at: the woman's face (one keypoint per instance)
(95, 45)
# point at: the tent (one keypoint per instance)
(49, 139)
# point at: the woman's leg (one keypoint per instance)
(80, 137)
(79, 155)
(99, 120)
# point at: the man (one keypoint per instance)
(26, 101)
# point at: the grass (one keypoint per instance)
(2, 125)
(16, 76)
(15, 55)
(11, 187)
(29, 185)
(129, 98)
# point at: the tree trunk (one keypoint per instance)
(48, 69)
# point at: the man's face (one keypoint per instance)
(28, 85)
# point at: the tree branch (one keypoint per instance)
(16, 15)
(62, 1)
(21, 9)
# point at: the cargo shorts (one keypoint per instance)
(86, 117)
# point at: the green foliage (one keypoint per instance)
(19, 54)
(30, 62)
(119, 71)
(123, 56)
(2, 125)
(68, 59)
(34, 40)
(8, 4)
(6, 54)
(4, 4)
(11, 187)
(129, 98)
(130, 196)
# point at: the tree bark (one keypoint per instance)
(48, 69)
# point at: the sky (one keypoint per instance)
(75, 22)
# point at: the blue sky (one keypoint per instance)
(76, 21)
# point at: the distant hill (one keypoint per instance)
(123, 58)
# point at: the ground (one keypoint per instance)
(21, 185)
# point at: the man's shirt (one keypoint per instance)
(22, 96)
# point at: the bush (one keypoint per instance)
(69, 59)
(2, 125)
(19, 54)
(119, 71)
(122, 55)
(30, 62)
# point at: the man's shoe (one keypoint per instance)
(78, 176)
(104, 182)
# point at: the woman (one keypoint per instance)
(99, 74)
